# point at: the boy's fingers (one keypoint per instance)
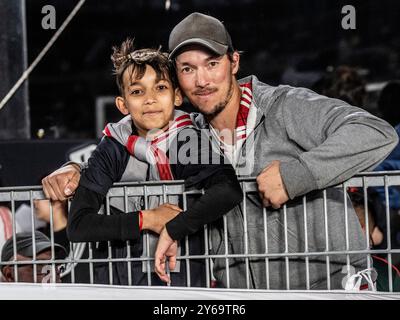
(160, 269)
(172, 262)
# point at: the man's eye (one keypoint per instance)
(186, 70)
(213, 64)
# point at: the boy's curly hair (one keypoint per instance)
(126, 56)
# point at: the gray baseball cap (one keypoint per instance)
(25, 246)
(201, 29)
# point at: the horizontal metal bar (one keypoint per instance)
(207, 256)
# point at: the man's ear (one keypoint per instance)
(8, 274)
(235, 62)
(120, 103)
(178, 97)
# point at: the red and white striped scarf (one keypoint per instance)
(244, 108)
(154, 152)
(243, 127)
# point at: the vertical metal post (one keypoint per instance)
(367, 235)
(33, 237)
(228, 282)
(14, 116)
(206, 253)
(266, 247)
(346, 226)
(14, 236)
(389, 240)
(110, 266)
(165, 200)
(286, 247)
(306, 242)
(146, 241)
(72, 253)
(328, 272)
(91, 277)
(245, 235)
(53, 267)
(128, 246)
(187, 260)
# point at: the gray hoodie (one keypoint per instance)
(320, 142)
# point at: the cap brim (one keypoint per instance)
(59, 250)
(214, 46)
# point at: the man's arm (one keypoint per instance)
(339, 141)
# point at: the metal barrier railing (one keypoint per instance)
(125, 264)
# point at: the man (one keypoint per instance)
(295, 141)
(25, 252)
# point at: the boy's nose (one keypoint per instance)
(150, 98)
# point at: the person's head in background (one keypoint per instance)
(147, 86)
(344, 83)
(24, 252)
(375, 233)
(389, 102)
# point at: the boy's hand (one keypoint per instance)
(155, 219)
(62, 183)
(166, 247)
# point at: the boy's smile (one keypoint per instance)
(149, 101)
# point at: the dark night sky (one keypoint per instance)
(274, 35)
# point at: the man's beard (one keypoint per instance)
(219, 107)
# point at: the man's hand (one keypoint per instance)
(62, 183)
(155, 219)
(166, 247)
(270, 186)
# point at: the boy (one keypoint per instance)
(148, 95)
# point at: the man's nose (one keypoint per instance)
(202, 79)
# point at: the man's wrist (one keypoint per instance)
(76, 165)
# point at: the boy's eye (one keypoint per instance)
(162, 87)
(136, 92)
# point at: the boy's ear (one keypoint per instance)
(178, 97)
(120, 103)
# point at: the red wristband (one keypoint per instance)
(140, 220)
